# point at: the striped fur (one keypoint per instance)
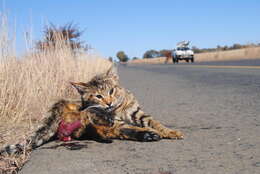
(103, 102)
(66, 110)
(104, 92)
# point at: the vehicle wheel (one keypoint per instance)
(187, 60)
(177, 60)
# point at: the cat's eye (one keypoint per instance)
(99, 96)
(111, 91)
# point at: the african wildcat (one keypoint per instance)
(130, 122)
(67, 112)
(106, 109)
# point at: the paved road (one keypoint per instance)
(218, 109)
(249, 62)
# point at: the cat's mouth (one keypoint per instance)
(115, 105)
(100, 107)
(110, 108)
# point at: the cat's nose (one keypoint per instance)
(109, 104)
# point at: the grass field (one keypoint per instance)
(239, 54)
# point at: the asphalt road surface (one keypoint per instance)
(217, 108)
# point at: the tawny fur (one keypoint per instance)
(105, 92)
(110, 103)
(68, 111)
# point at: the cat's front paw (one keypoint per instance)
(175, 135)
(109, 119)
(148, 136)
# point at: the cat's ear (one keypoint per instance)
(112, 72)
(80, 87)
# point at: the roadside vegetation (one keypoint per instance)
(121, 56)
(31, 83)
(236, 54)
(224, 48)
(150, 54)
(220, 53)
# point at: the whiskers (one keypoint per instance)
(118, 103)
(112, 108)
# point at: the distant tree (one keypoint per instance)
(236, 46)
(219, 48)
(110, 59)
(167, 54)
(151, 54)
(196, 49)
(134, 58)
(164, 52)
(53, 36)
(225, 48)
(122, 57)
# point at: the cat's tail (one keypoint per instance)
(43, 134)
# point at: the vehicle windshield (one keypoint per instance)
(183, 48)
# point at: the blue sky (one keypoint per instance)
(135, 26)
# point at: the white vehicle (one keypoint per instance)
(182, 52)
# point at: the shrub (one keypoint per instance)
(122, 57)
(69, 34)
(151, 54)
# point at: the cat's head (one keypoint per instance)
(102, 91)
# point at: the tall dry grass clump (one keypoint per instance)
(30, 84)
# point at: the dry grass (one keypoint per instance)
(12, 163)
(240, 54)
(30, 84)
